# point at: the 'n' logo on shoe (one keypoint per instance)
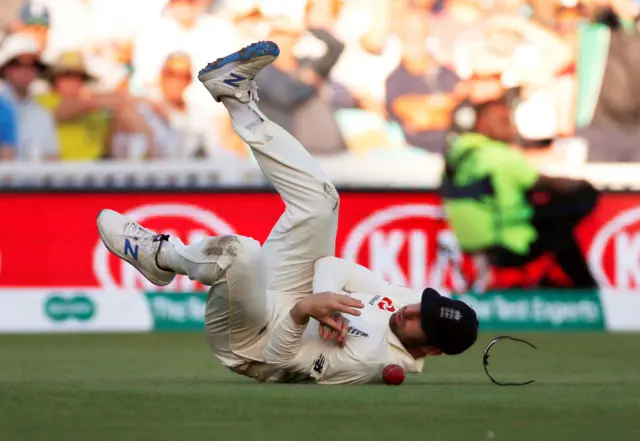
(128, 249)
(234, 80)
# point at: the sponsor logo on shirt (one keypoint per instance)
(318, 364)
(356, 332)
(386, 304)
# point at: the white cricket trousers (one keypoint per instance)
(252, 285)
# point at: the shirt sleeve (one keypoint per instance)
(284, 344)
(284, 91)
(518, 168)
(49, 101)
(333, 274)
(335, 47)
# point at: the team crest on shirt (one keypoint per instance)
(383, 303)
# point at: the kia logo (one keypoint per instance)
(625, 246)
(385, 247)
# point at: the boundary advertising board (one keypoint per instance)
(49, 240)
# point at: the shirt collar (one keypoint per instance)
(412, 364)
(8, 91)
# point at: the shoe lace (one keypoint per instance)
(144, 236)
(253, 92)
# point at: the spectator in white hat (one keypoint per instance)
(20, 67)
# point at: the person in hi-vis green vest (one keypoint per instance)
(491, 198)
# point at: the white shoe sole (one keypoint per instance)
(262, 53)
(226, 64)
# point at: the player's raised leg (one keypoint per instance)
(307, 229)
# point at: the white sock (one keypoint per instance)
(171, 259)
(246, 115)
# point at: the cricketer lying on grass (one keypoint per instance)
(274, 312)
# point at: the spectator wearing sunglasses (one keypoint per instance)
(83, 120)
(20, 67)
(93, 124)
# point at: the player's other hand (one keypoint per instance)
(323, 307)
(329, 334)
(327, 304)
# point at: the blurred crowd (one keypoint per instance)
(86, 80)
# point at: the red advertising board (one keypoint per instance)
(50, 239)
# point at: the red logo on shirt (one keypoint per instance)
(386, 304)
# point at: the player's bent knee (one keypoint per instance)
(246, 251)
(232, 249)
(326, 206)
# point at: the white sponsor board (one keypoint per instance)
(96, 310)
(73, 310)
(621, 309)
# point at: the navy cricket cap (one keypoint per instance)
(450, 325)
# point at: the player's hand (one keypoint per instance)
(323, 307)
(331, 335)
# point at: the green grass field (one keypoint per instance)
(169, 387)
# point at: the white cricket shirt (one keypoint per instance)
(370, 345)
